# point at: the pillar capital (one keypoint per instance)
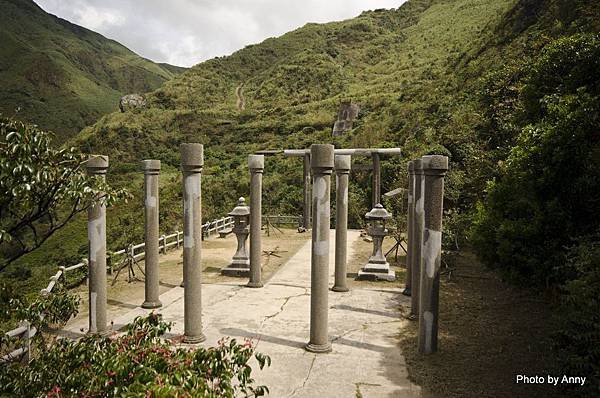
(411, 167)
(256, 163)
(151, 166)
(321, 158)
(418, 166)
(434, 164)
(192, 157)
(97, 165)
(342, 164)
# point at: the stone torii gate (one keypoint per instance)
(373, 153)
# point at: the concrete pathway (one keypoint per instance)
(363, 325)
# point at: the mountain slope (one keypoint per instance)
(63, 76)
(295, 82)
(418, 73)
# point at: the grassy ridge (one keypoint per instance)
(404, 67)
(63, 76)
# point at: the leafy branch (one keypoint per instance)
(41, 189)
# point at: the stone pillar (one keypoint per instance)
(151, 171)
(342, 170)
(192, 160)
(321, 159)
(417, 239)
(376, 179)
(97, 166)
(434, 169)
(410, 208)
(307, 197)
(256, 164)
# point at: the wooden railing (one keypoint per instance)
(282, 220)
(25, 332)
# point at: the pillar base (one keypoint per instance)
(237, 270)
(254, 284)
(151, 304)
(194, 339)
(318, 348)
(104, 333)
(406, 291)
(340, 289)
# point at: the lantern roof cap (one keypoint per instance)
(241, 209)
(378, 213)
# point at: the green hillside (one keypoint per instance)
(407, 68)
(430, 77)
(62, 76)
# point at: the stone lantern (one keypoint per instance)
(240, 265)
(377, 268)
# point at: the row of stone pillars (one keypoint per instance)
(426, 192)
(425, 207)
(424, 242)
(192, 161)
(374, 153)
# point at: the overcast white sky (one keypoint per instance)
(185, 32)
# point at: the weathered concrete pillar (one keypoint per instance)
(410, 209)
(256, 164)
(434, 169)
(97, 166)
(151, 171)
(342, 170)
(321, 160)
(306, 212)
(376, 178)
(418, 239)
(192, 160)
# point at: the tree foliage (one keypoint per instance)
(41, 188)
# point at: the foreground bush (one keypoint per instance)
(137, 364)
(578, 340)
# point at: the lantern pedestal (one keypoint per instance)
(377, 268)
(240, 264)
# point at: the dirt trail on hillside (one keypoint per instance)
(239, 93)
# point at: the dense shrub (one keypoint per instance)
(546, 195)
(547, 192)
(137, 364)
(578, 339)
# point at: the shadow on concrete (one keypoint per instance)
(359, 344)
(234, 332)
(165, 284)
(121, 304)
(395, 315)
(289, 285)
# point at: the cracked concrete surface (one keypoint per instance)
(363, 326)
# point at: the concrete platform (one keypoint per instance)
(363, 325)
